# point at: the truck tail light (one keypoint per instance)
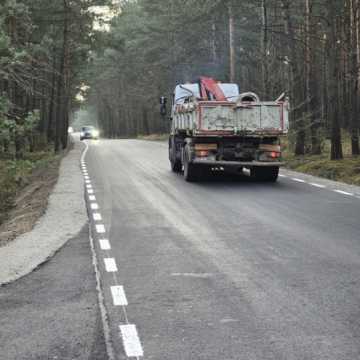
(275, 155)
(202, 153)
(205, 150)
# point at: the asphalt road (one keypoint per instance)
(53, 312)
(223, 269)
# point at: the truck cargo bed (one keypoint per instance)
(232, 118)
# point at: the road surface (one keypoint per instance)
(223, 269)
(53, 313)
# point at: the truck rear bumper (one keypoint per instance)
(233, 164)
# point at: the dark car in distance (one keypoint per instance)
(89, 132)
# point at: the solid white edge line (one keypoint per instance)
(101, 299)
(100, 229)
(104, 244)
(97, 217)
(318, 185)
(118, 296)
(110, 265)
(298, 180)
(131, 341)
(344, 192)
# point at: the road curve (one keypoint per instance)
(223, 269)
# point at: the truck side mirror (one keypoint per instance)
(163, 102)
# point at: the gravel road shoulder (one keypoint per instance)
(64, 218)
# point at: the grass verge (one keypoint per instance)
(15, 175)
(346, 170)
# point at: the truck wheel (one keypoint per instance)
(269, 174)
(176, 165)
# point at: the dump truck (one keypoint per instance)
(214, 127)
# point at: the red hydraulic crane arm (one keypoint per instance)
(208, 87)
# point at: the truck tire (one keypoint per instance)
(268, 174)
(176, 165)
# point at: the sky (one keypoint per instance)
(105, 15)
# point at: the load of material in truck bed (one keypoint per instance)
(238, 114)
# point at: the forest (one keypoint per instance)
(43, 48)
(309, 49)
(50, 53)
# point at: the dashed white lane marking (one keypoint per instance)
(110, 265)
(318, 185)
(104, 244)
(131, 340)
(344, 192)
(118, 295)
(298, 180)
(100, 229)
(97, 216)
(283, 176)
(321, 186)
(130, 337)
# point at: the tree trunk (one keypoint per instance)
(333, 83)
(355, 63)
(232, 58)
(62, 86)
(311, 81)
(297, 91)
(265, 50)
(52, 102)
